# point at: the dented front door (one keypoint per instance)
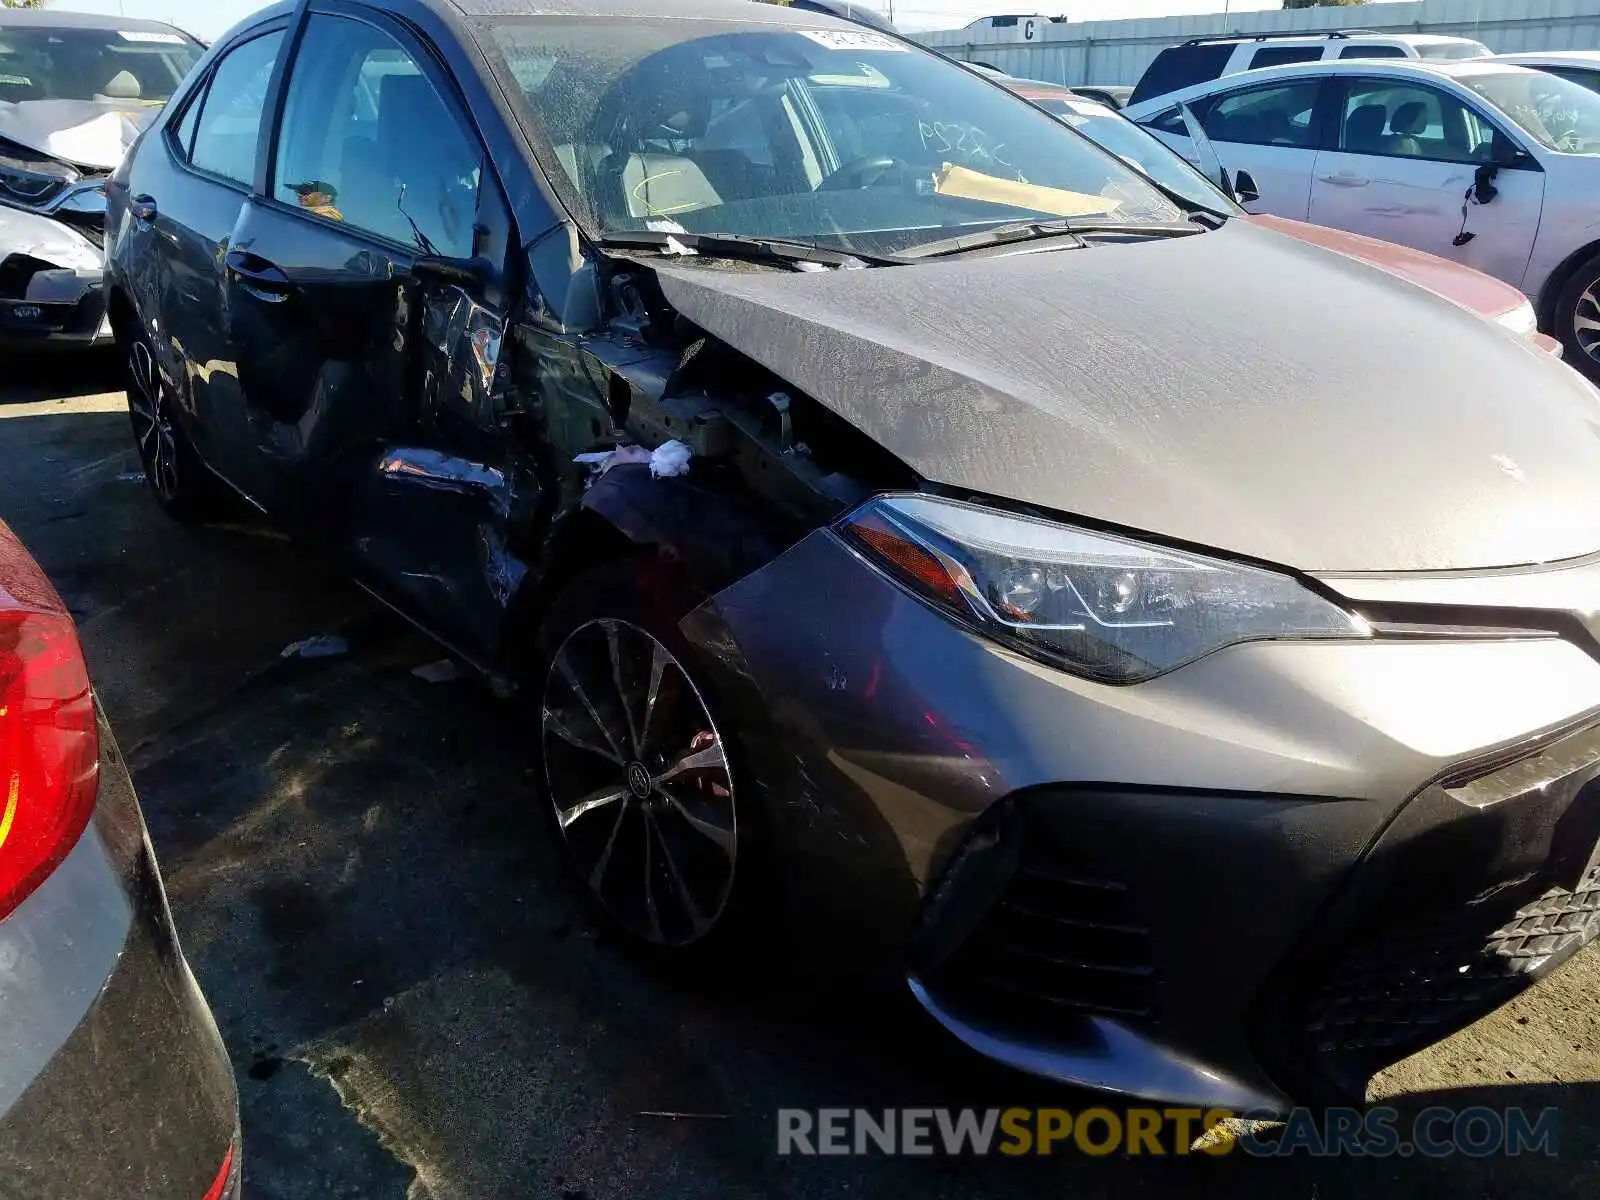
(366, 296)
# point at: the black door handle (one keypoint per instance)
(263, 279)
(143, 208)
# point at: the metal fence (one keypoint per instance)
(1119, 51)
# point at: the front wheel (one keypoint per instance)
(177, 479)
(638, 767)
(1577, 318)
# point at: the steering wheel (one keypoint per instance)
(1569, 141)
(861, 172)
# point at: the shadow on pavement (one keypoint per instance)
(61, 374)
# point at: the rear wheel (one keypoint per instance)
(181, 485)
(1577, 318)
(637, 764)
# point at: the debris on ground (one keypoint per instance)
(323, 645)
(667, 459)
(442, 671)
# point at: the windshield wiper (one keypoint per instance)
(1027, 231)
(742, 246)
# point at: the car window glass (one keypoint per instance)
(1268, 116)
(1179, 66)
(230, 115)
(366, 140)
(1555, 112)
(847, 138)
(1277, 56)
(135, 67)
(1588, 79)
(1381, 116)
(1170, 121)
(1371, 52)
(184, 134)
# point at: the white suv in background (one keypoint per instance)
(1494, 166)
(1202, 59)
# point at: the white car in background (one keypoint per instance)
(1493, 166)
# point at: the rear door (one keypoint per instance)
(1402, 159)
(366, 292)
(185, 193)
(1270, 131)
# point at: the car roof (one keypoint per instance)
(1585, 58)
(1340, 35)
(1439, 69)
(51, 18)
(710, 10)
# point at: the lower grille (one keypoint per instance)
(1397, 990)
(1057, 941)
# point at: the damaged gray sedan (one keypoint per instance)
(75, 91)
(1170, 648)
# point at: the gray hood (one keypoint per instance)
(1237, 389)
(85, 133)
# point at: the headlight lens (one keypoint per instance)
(1103, 607)
(85, 200)
(32, 183)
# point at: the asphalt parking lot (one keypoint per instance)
(415, 1003)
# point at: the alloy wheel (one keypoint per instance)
(151, 411)
(640, 782)
(1586, 321)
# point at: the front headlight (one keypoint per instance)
(91, 200)
(1100, 606)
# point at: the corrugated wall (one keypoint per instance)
(1119, 51)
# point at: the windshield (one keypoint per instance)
(1142, 150)
(838, 136)
(92, 64)
(1449, 51)
(1555, 112)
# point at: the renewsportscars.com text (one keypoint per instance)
(1379, 1132)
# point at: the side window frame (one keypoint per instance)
(1317, 132)
(194, 101)
(1333, 125)
(432, 67)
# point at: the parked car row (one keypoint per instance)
(934, 523)
(1493, 165)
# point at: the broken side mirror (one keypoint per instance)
(1244, 188)
(1483, 189)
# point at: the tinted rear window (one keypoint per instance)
(1277, 56)
(1372, 52)
(1179, 66)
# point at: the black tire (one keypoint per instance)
(644, 800)
(1578, 304)
(176, 477)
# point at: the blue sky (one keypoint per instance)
(208, 18)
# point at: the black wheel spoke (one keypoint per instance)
(706, 759)
(686, 900)
(598, 875)
(723, 839)
(615, 696)
(599, 798)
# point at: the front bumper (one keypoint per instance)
(1164, 890)
(114, 1081)
(51, 284)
